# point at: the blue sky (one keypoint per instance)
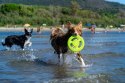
(120, 1)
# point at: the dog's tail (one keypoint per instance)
(3, 43)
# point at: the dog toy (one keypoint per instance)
(76, 43)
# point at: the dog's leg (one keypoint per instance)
(30, 43)
(80, 59)
(27, 43)
(22, 46)
(60, 58)
(8, 48)
(64, 57)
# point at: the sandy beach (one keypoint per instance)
(21, 29)
(49, 29)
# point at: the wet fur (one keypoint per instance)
(59, 39)
(19, 40)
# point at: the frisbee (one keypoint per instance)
(76, 43)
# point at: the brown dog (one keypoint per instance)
(59, 40)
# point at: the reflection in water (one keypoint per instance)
(104, 50)
(60, 72)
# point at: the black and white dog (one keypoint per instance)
(19, 40)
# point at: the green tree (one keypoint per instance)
(74, 7)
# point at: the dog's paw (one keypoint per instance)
(30, 44)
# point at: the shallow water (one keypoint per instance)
(38, 64)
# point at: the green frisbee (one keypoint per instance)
(76, 43)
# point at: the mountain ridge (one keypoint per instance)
(84, 4)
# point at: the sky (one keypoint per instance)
(119, 1)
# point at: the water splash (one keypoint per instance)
(28, 55)
(69, 60)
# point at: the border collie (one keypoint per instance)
(19, 40)
(59, 40)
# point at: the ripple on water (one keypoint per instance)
(104, 50)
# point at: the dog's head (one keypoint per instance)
(28, 33)
(76, 30)
(70, 30)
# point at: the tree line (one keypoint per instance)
(18, 14)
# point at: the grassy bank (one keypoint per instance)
(18, 14)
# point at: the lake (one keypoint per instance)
(105, 51)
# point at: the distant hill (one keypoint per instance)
(85, 4)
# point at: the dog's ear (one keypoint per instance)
(80, 25)
(31, 30)
(56, 32)
(68, 25)
(78, 28)
(26, 31)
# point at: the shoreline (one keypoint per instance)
(22, 29)
(49, 29)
